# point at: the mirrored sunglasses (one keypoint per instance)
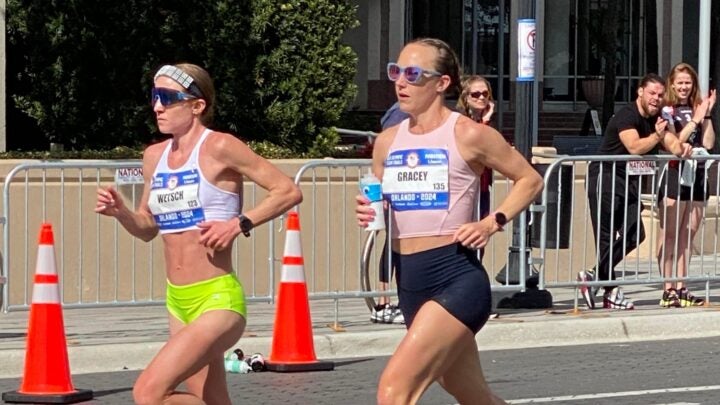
(168, 97)
(413, 74)
(477, 94)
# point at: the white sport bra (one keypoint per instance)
(181, 198)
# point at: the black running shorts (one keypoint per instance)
(450, 275)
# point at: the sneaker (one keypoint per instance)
(686, 298)
(670, 299)
(387, 314)
(585, 290)
(615, 299)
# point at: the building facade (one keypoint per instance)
(654, 35)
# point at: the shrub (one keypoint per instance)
(303, 74)
(82, 69)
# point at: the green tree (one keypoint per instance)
(304, 74)
(74, 69)
(82, 69)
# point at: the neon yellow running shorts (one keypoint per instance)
(188, 302)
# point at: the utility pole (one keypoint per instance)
(515, 270)
(527, 69)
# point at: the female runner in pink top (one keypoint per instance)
(430, 167)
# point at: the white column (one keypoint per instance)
(3, 87)
(704, 47)
(357, 39)
(396, 30)
(374, 22)
(676, 30)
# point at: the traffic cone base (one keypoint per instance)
(17, 397)
(297, 367)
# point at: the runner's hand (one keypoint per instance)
(364, 213)
(475, 235)
(218, 235)
(109, 202)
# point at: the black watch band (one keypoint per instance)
(246, 225)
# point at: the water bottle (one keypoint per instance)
(667, 113)
(256, 362)
(371, 188)
(235, 364)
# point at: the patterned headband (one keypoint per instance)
(181, 77)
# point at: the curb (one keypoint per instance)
(502, 334)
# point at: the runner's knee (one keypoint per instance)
(147, 391)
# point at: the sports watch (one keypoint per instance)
(246, 225)
(500, 219)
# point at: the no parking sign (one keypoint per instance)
(526, 49)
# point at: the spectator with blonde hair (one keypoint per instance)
(682, 203)
(476, 102)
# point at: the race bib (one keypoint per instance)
(417, 179)
(641, 167)
(174, 200)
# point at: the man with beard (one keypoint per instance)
(612, 187)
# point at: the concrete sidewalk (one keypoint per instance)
(111, 339)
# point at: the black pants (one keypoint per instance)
(615, 235)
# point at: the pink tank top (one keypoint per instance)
(431, 188)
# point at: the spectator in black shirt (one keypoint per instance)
(614, 202)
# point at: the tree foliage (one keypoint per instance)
(302, 74)
(81, 70)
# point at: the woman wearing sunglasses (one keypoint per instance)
(476, 99)
(443, 290)
(476, 102)
(193, 197)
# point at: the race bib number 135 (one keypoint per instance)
(417, 179)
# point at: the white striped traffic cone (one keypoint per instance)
(292, 344)
(46, 378)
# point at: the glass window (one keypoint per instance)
(572, 45)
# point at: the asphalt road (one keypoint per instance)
(656, 372)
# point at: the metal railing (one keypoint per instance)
(574, 247)
(100, 264)
(324, 207)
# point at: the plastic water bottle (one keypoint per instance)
(371, 188)
(235, 364)
(667, 113)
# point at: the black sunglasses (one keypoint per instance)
(477, 94)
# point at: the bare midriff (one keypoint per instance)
(408, 246)
(187, 261)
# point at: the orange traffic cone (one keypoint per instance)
(292, 344)
(46, 379)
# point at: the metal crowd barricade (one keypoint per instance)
(335, 248)
(561, 264)
(99, 263)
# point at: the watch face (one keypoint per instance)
(245, 224)
(500, 218)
